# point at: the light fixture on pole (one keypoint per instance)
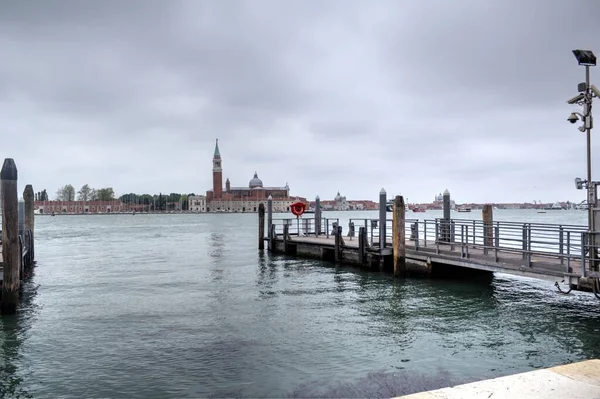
(586, 93)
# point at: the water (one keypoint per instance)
(161, 306)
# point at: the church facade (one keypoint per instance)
(244, 199)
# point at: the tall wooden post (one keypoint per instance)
(261, 226)
(11, 254)
(446, 224)
(382, 217)
(399, 226)
(28, 196)
(488, 225)
(317, 216)
(269, 214)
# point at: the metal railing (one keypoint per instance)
(568, 244)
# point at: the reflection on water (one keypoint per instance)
(185, 306)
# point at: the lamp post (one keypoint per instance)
(586, 93)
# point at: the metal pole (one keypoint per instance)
(591, 190)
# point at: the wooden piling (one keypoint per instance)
(488, 225)
(28, 197)
(272, 238)
(338, 243)
(361, 245)
(261, 226)
(286, 231)
(11, 253)
(399, 240)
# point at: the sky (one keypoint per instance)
(332, 95)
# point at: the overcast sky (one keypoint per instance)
(411, 96)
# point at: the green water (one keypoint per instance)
(158, 306)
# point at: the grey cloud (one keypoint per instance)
(326, 95)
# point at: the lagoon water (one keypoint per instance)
(155, 306)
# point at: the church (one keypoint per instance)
(243, 199)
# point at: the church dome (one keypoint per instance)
(255, 182)
(338, 197)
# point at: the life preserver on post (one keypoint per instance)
(298, 208)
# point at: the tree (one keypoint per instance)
(84, 193)
(93, 194)
(106, 194)
(66, 193)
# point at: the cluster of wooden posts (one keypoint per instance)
(361, 253)
(17, 236)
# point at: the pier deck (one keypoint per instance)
(447, 247)
(542, 266)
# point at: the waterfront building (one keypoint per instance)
(79, 207)
(244, 199)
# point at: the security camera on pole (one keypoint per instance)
(586, 93)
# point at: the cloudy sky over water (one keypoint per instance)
(412, 96)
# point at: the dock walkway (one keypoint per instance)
(574, 381)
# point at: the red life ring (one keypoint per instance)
(298, 208)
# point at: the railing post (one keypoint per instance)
(496, 241)
(382, 217)
(560, 244)
(462, 241)
(568, 251)
(529, 245)
(437, 236)
(261, 226)
(425, 233)
(524, 242)
(269, 213)
(474, 233)
(417, 235)
(399, 236)
(11, 252)
(467, 241)
(583, 245)
(327, 227)
(451, 226)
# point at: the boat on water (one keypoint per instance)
(418, 210)
(463, 209)
(389, 206)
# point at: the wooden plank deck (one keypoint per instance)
(542, 266)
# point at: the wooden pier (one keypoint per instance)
(17, 245)
(444, 246)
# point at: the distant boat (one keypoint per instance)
(418, 210)
(389, 206)
(463, 209)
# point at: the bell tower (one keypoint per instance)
(217, 173)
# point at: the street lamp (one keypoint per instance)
(586, 93)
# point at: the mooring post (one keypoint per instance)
(286, 231)
(272, 238)
(28, 196)
(361, 245)
(488, 227)
(382, 217)
(11, 253)
(338, 243)
(446, 234)
(317, 216)
(399, 239)
(261, 226)
(269, 214)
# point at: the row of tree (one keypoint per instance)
(171, 201)
(158, 202)
(86, 193)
